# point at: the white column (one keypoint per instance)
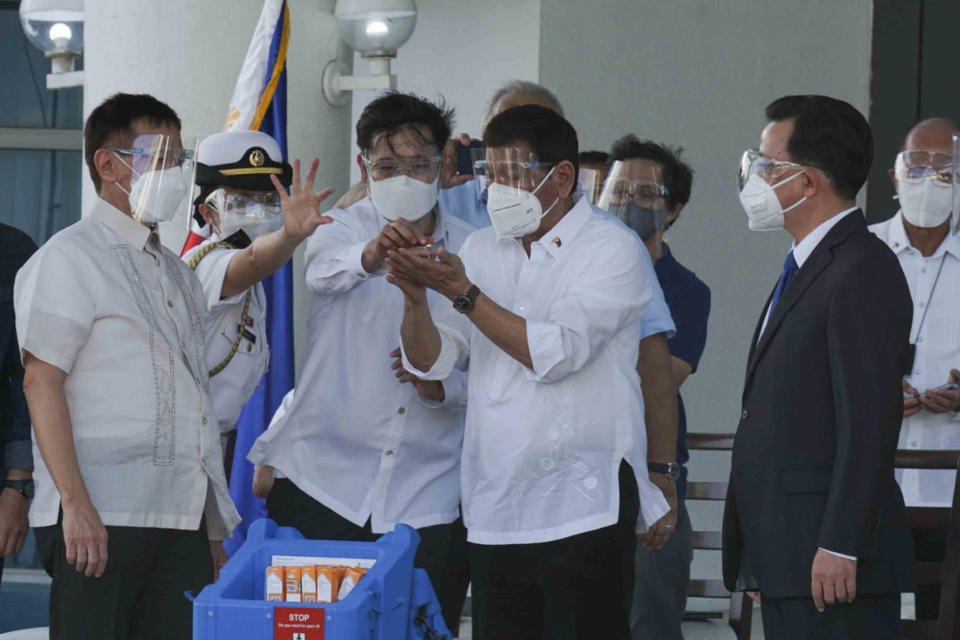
(188, 54)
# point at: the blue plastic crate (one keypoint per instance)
(393, 601)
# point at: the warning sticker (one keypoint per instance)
(291, 623)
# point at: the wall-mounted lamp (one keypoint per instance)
(375, 29)
(56, 28)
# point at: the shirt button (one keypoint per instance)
(204, 420)
(388, 453)
(913, 443)
(402, 410)
(170, 303)
(744, 415)
(923, 304)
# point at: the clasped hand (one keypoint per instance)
(415, 270)
(942, 400)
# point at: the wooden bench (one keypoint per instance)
(741, 607)
(946, 573)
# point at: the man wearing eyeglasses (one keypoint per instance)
(929, 253)
(814, 519)
(131, 500)
(363, 445)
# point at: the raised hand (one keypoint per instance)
(301, 208)
(448, 164)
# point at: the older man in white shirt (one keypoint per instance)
(551, 297)
(920, 235)
(131, 496)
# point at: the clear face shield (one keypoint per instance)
(955, 221)
(634, 192)
(162, 172)
(590, 184)
(256, 213)
(512, 177)
(925, 187)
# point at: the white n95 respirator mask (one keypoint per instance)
(515, 212)
(403, 197)
(926, 199)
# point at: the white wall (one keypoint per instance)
(698, 73)
(188, 54)
(462, 50)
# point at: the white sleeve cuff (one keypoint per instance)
(841, 555)
(451, 343)
(545, 342)
(455, 392)
(353, 258)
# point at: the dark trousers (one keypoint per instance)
(660, 585)
(868, 617)
(929, 546)
(141, 594)
(442, 551)
(575, 588)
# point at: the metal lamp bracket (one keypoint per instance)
(337, 85)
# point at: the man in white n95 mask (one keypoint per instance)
(930, 257)
(358, 450)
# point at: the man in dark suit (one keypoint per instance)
(814, 519)
(16, 458)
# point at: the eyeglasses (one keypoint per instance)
(769, 169)
(919, 165)
(425, 168)
(639, 191)
(148, 159)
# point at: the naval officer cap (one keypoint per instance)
(242, 160)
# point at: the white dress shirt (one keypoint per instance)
(543, 446)
(353, 437)
(103, 301)
(232, 387)
(937, 352)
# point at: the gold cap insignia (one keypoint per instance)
(256, 158)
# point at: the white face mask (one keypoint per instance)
(403, 197)
(515, 212)
(927, 204)
(156, 196)
(761, 204)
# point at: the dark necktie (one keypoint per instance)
(790, 269)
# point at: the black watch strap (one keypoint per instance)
(23, 487)
(465, 301)
(669, 469)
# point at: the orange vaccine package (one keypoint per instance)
(274, 584)
(292, 584)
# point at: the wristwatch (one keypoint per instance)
(669, 469)
(465, 301)
(23, 487)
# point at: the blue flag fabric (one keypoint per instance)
(279, 299)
